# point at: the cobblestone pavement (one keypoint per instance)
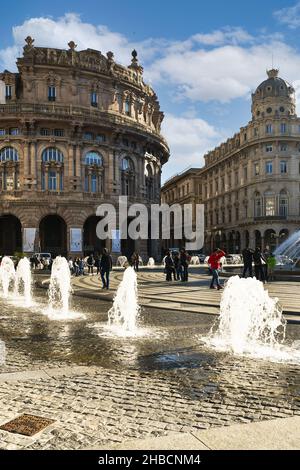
(152, 388)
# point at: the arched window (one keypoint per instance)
(149, 182)
(52, 169)
(9, 154)
(9, 169)
(127, 177)
(93, 177)
(257, 205)
(52, 154)
(270, 204)
(283, 203)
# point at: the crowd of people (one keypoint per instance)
(176, 265)
(264, 264)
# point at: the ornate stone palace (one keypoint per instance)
(76, 130)
(250, 183)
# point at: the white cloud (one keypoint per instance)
(189, 139)
(289, 16)
(48, 32)
(222, 73)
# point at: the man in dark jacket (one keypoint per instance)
(247, 260)
(169, 266)
(259, 263)
(105, 268)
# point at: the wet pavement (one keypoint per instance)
(161, 382)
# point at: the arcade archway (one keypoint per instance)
(10, 235)
(53, 235)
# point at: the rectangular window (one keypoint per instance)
(245, 173)
(229, 215)
(283, 147)
(45, 131)
(236, 178)
(94, 184)
(127, 107)
(255, 132)
(8, 92)
(283, 128)
(14, 131)
(51, 93)
(269, 148)
(94, 99)
(88, 136)
(100, 138)
(270, 206)
(2, 131)
(236, 213)
(52, 181)
(283, 167)
(269, 129)
(269, 168)
(59, 132)
(125, 142)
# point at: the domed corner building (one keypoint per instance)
(76, 130)
(251, 182)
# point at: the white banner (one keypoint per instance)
(28, 239)
(116, 241)
(75, 240)
(2, 92)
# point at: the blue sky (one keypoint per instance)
(203, 58)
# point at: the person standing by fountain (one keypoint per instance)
(271, 263)
(184, 261)
(135, 261)
(169, 266)
(259, 263)
(214, 263)
(105, 268)
(247, 260)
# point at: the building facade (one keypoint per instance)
(251, 182)
(184, 188)
(76, 130)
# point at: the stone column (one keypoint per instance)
(33, 163)
(78, 161)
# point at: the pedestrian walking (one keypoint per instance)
(247, 260)
(105, 268)
(214, 263)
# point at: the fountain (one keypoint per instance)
(121, 261)
(7, 275)
(124, 314)
(195, 260)
(289, 251)
(23, 281)
(251, 322)
(151, 262)
(60, 286)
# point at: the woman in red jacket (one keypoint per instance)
(214, 263)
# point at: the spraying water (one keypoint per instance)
(23, 282)
(124, 314)
(7, 275)
(290, 248)
(251, 322)
(60, 286)
(151, 262)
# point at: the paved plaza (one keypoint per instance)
(164, 388)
